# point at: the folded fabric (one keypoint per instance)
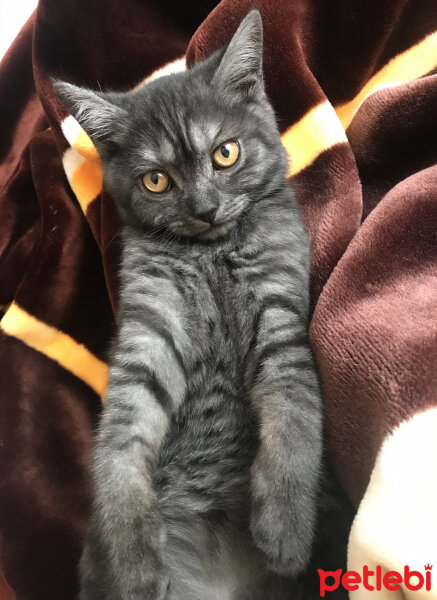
(354, 86)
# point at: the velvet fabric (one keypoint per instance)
(369, 198)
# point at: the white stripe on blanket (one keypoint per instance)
(396, 522)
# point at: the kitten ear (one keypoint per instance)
(240, 69)
(100, 118)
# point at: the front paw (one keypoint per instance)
(157, 588)
(129, 564)
(153, 584)
(150, 581)
(282, 522)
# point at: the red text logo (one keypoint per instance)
(374, 580)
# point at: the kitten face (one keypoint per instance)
(189, 152)
(180, 139)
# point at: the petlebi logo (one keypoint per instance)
(375, 580)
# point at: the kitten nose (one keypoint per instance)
(206, 215)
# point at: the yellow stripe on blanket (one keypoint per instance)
(56, 345)
(84, 176)
(85, 147)
(81, 163)
(316, 131)
(79, 140)
(411, 64)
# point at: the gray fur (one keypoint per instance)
(206, 464)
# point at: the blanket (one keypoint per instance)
(354, 87)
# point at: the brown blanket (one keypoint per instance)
(354, 85)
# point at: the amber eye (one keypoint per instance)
(156, 181)
(226, 154)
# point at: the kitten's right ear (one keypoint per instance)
(100, 118)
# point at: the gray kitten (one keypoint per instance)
(207, 459)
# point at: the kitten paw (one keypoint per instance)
(285, 552)
(282, 526)
(161, 588)
(157, 588)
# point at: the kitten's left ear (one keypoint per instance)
(240, 69)
(101, 119)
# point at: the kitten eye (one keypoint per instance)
(156, 181)
(226, 154)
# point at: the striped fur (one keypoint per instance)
(207, 457)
